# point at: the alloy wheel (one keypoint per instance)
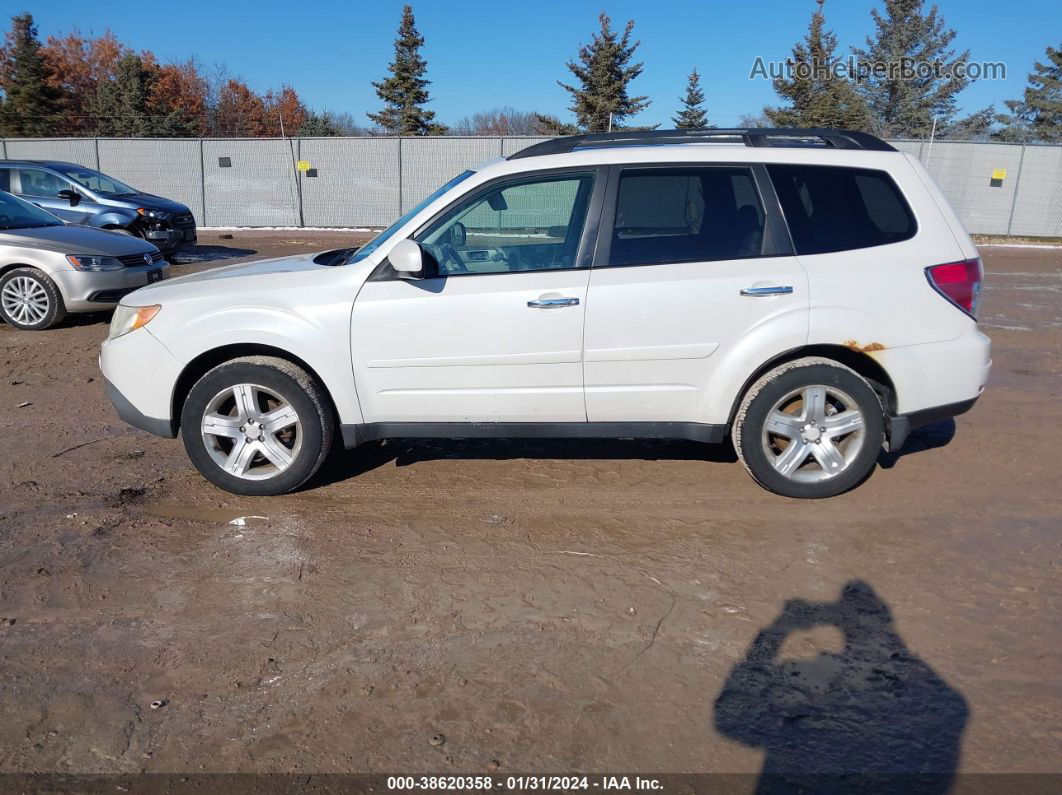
(25, 300)
(813, 433)
(251, 432)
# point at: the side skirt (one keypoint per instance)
(354, 435)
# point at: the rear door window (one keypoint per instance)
(687, 214)
(834, 208)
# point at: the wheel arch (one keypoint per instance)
(863, 363)
(204, 362)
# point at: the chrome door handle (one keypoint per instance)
(545, 303)
(755, 292)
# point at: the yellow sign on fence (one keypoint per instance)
(303, 165)
(999, 173)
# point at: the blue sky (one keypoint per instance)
(483, 54)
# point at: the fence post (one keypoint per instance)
(3, 147)
(401, 200)
(202, 182)
(298, 179)
(1017, 187)
(97, 143)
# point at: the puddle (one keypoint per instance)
(195, 513)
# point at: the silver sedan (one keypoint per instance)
(49, 268)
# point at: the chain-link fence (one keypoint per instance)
(997, 189)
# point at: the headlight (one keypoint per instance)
(94, 263)
(130, 318)
(158, 215)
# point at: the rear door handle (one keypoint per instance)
(756, 292)
(545, 303)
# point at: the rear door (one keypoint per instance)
(691, 259)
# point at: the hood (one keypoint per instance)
(232, 279)
(74, 239)
(149, 201)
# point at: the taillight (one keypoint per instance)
(960, 283)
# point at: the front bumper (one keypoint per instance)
(141, 374)
(171, 237)
(95, 291)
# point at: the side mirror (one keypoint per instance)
(71, 195)
(407, 258)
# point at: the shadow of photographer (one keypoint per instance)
(870, 718)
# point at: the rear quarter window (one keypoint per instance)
(835, 208)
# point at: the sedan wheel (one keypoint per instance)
(30, 300)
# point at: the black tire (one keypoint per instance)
(775, 386)
(55, 311)
(296, 387)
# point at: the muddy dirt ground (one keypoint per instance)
(549, 606)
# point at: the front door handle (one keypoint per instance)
(546, 303)
(756, 292)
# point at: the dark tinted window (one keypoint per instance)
(5, 179)
(686, 215)
(831, 208)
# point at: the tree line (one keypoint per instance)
(74, 85)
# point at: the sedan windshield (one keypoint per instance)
(386, 234)
(97, 182)
(18, 214)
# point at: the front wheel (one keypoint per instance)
(809, 428)
(257, 426)
(29, 300)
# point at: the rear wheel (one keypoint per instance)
(29, 300)
(809, 428)
(257, 426)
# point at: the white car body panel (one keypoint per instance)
(473, 351)
(658, 335)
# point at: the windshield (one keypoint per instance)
(386, 234)
(96, 182)
(18, 214)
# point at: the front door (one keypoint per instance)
(689, 269)
(496, 335)
(42, 187)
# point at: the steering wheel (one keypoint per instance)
(449, 254)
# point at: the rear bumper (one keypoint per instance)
(901, 425)
(95, 291)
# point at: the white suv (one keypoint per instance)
(808, 293)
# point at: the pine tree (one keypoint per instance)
(912, 73)
(604, 71)
(121, 105)
(818, 96)
(32, 102)
(405, 91)
(1037, 116)
(692, 116)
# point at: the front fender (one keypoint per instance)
(322, 342)
(112, 218)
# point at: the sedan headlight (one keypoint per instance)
(130, 318)
(94, 263)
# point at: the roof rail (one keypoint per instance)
(757, 137)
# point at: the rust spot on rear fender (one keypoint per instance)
(855, 346)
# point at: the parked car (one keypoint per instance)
(81, 195)
(49, 268)
(808, 293)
